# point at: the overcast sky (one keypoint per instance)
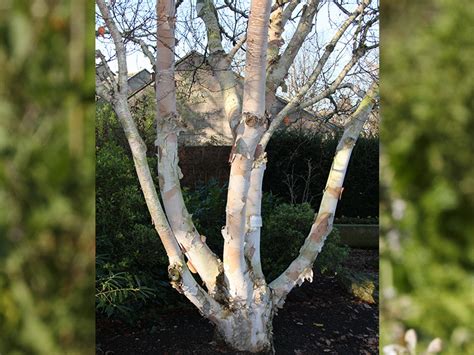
(328, 15)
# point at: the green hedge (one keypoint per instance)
(291, 153)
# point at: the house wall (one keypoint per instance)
(200, 104)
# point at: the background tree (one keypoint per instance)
(237, 298)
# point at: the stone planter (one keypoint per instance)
(359, 235)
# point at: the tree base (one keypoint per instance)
(247, 329)
(221, 343)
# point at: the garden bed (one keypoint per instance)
(318, 318)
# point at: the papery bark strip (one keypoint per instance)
(301, 268)
(249, 132)
(169, 125)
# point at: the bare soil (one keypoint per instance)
(318, 318)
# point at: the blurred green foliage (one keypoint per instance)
(46, 177)
(427, 98)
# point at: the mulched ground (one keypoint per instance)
(318, 318)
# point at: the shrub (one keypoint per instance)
(131, 269)
(333, 255)
(357, 220)
(115, 290)
(284, 231)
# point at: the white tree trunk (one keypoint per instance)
(200, 258)
(301, 268)
(249, 132)
(250, 328)
(249, 325)
(238, 300)
(254, 217)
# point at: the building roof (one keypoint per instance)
(194, 60)
(202, 103)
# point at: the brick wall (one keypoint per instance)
(200, 164)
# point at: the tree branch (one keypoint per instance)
(278, 68)
(278, 19)
(359, 53)
(137, 145)
(119, 47)
(235, 9)
(342, 8)
(301, 268)
(208, 14)
(108, 78)
(236, 48)
(314, 75)
(289, 10)
(146, 51)
(102, 91)
(220, 63)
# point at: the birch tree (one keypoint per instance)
(234, 295)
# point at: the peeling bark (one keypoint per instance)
(249, 132)
(300, 268)
(237, 300)
(249, 328)
(169, 125)
(254, 217)
(279, 65)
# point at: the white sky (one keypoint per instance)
(328, 13)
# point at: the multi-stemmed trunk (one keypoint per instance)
(236, 297)
(249, 328)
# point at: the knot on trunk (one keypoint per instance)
(330, 47)
(260, 160)
(174, 274)
(252, 120)
(349, 142)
